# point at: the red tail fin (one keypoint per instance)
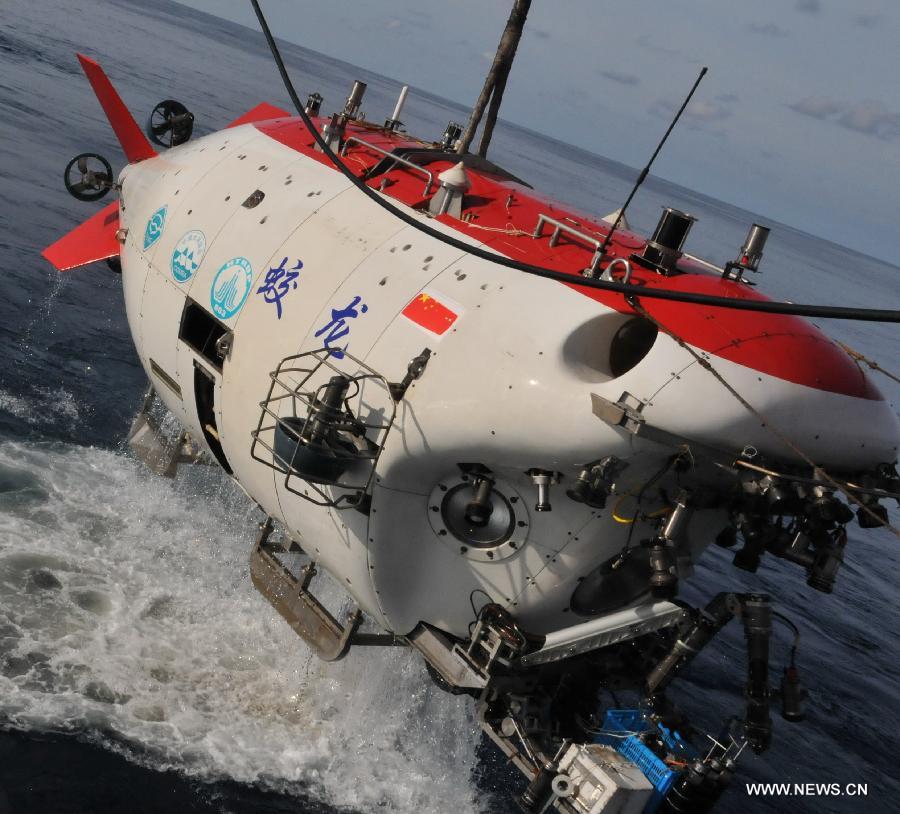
(93, 240)
(130, 136)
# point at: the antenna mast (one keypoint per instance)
(495, 82)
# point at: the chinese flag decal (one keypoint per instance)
(430, 313)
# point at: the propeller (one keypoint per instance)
(88, 177)
(170, 124)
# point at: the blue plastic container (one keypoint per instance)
(621, 723)
(619, 728)
(654, 769)
(675, 743)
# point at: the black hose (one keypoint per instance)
(765, 306)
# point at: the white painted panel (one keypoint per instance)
(421, 577)
(161, 314)
(163, 182)
(329, 249)
(134, 277)
(831, 428)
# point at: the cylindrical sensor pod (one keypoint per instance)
(752, 250)
(354, 100)
(664, 248)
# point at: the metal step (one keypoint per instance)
(325, 635)
(328, 638)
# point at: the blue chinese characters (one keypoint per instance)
(230, 287)
(338, 327)
(279, 282)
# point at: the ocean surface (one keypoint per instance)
(139, 669)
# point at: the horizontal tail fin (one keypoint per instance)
(93, 240)
(130, 136)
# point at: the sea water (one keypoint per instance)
(131, 639)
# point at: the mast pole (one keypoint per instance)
(495, 82)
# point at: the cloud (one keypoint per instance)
(818, 107)
(621, 78)
(727, 98)
(872, 118)
(707, 112)
(697, 111)
(808, 6)
(769, 29)
(539, 33)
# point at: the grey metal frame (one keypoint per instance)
(397, 159)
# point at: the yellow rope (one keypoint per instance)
(627, 521)
(509, 229)
(858, 357)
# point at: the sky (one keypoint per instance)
(798, 118)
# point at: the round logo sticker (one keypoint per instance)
(230, 287)
(188, 255)
(155, 227)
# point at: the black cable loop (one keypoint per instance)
(764, 306)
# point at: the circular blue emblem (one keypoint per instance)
(230, 287)
(188, 255)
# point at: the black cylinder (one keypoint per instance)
(451, 135)
(579, 490)
(688, 794)
(313, 104)
(792, 696)
(326, 409)
(663, 250)
(757, 630)
(662, 580)
(672, 229)
(539, 791)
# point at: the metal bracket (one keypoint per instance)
(327, 638)
(158, 452)
(626, 413)
(414, 371)
(449, 659)
(395, 159)
(604, 631)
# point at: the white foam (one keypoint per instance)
(44, 402)
(155, 633)
(14, 405)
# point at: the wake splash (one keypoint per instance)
(127, 613)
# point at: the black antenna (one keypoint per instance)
(645, 172)
(765, 306)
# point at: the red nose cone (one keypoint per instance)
(786, 347)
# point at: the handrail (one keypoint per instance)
(396, 159)
(559, 226)
(702, 262)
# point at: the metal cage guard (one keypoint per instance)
(294, 401)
